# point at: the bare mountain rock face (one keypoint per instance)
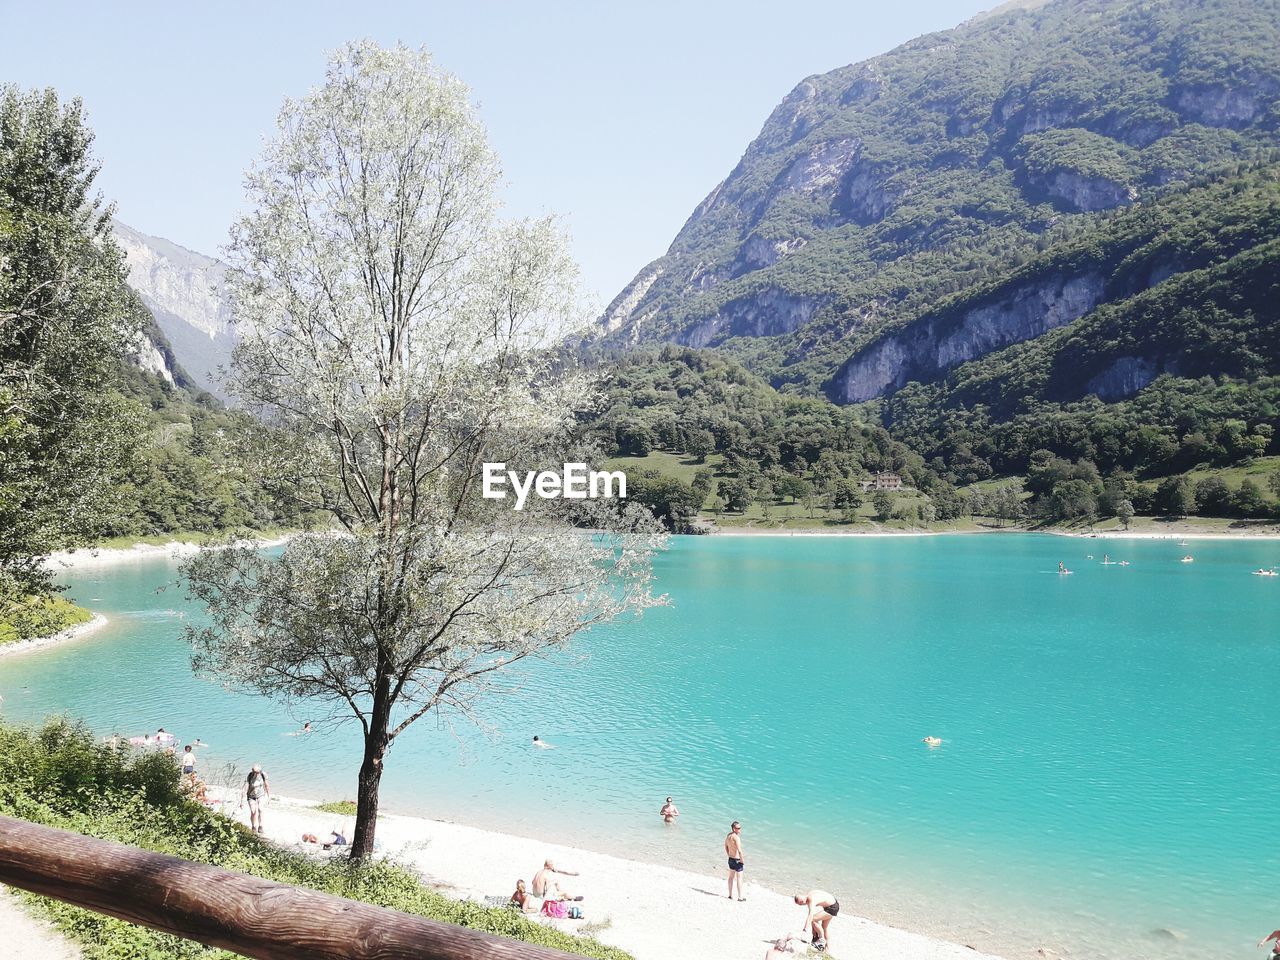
(183, 291)
(868, 236)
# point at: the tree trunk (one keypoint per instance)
(370, 778)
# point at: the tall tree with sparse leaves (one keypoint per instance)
(393, 345)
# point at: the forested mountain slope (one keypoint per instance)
(874, 194)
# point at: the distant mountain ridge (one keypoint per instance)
(183, 291)
(878, 192)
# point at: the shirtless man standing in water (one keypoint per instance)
(669, 811)
(822, 907)
(733, 850)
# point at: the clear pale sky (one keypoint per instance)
(620, 117)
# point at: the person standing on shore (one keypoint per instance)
(256, 789)
(669, 812)
(822, 908)
(188, 761)
(733, 850)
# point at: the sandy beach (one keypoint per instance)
(25, 937)
(110, 556)
(654, 912)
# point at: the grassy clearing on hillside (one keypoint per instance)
(1259, 471)
(32, 617)
(678, 465)
(61, 776)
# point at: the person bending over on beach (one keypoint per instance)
(822, 907)
(256, 789)
(1274, 935)
(669, 811)
(733, 850)
(545, 885)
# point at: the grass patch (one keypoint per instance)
(61, 776)
(39, 616)
(678, 465)
(346, 808)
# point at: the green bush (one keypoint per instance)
(38, 616)
(60, 776)
(346, 808)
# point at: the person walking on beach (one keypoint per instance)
(733, 850)
(669, 812)
(256, 789)
(822, 908)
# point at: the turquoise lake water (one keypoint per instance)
(1106, 787)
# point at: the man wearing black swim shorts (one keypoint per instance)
(822, 907)
(733, 850)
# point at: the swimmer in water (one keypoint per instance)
(669, 811)
(543, 744)
(1274, 935)
(932, 741)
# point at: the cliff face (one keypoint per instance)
(182, 289)
(878, 191)
(931, 347)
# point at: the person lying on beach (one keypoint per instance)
(669, 812)
(822, 908)
(780, 948)
(546, 886)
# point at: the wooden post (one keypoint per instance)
(234, 911)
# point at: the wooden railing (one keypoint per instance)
(234, 911)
